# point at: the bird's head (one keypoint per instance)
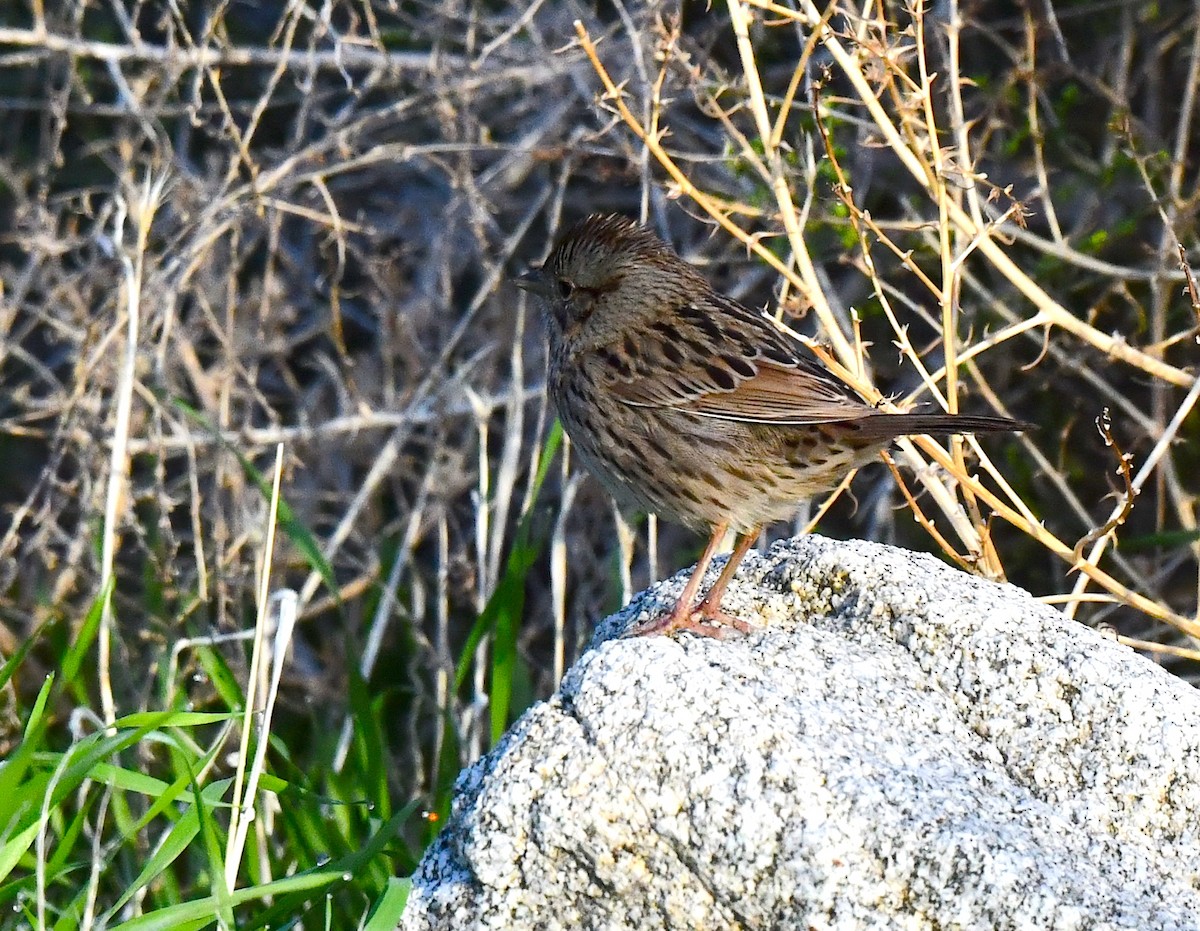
(606, 273)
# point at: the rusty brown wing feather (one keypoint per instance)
(716, 358)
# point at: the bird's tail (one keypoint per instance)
(883, 425)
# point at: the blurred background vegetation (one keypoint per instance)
(229, 226)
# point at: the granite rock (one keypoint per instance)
(901, 745)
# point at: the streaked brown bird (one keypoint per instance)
(689, 405)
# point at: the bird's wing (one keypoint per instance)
(720, 359)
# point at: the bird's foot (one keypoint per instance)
(703, 620)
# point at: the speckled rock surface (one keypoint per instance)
(902, 746)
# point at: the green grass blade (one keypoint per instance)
(200, 913)
(13, 770)
(15, 847)
(352, 864)
(487, 619)
(13, 662)
(221, 899)
(385, 914)
(77, 653)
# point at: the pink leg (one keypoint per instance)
(700, 619)
(710, 607)
(670, 622)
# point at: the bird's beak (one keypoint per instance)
(533, 281)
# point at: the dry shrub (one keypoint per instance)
(257, 225)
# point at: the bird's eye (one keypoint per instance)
(565, 289)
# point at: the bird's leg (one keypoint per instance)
(681, 616)
(710, 608)
(707, 618)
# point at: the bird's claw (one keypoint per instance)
(702, 620)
